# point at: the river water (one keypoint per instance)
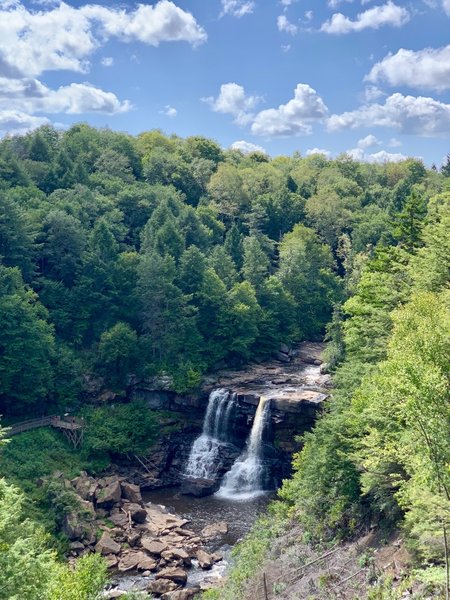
(238, 514)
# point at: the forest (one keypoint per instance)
(127, 257)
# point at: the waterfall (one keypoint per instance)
(244, 479)
(204, 455)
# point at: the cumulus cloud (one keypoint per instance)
(312, 151)
(169, 111)
(378, 157)
(76, 98)
(107, 61)
(284, 24)
(233, 100)
(407, 114)
(237, 8)
(425, 69)
(63, 37)
(394, 143)
(247, 147)
(373, 18)
(372, 92)
(368, 142)
(294, 117)
(14, 122)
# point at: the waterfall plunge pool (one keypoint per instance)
(238, 513)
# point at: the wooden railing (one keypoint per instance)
(72, 427)
(30, 424)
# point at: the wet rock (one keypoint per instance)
(162, 586)
(205, 560)
(161, 521)
(215, 529)
(131, 492)
(217, 556)
(109, 495)
(199, 487)
(176, 575)
(177, 555)
(106, 545)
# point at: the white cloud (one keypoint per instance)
(426, 69)
(406, 114)
(107, 61)
(335, 3)
(378, 157)
(169, 111)
(368, 142)
(31, 96)
(382, 156)
(233, 100)
(309, 15)
(287, 2)
(14, 122)
(394, 143)
(372, 92)
(373, 18)
(294, 117)
(284, 24)
(63, 37)
(312, 151)
(247, 147)
(286, 47)
(237, 8)
(446, 6)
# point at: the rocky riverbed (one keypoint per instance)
(158, 549)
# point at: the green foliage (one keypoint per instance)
(120, 429)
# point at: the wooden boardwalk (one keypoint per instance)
(72, 427)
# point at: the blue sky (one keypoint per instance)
(370, 77)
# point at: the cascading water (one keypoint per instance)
(203, 458)
(244, 479)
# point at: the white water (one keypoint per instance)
(244, 480)
(204, 455)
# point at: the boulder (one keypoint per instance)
(215, 529)
(106, 545)
(72, 526)
(85, 486)
(131, 492)
(77, 546)
(111, 561)
(120, 519)
(205, 560)
(109, 495)
(132, 538)
(153, 546)
(138, 514)
(191, 486)
(175, 574)
(159, 520)
(132, 560)
(162, 586)
(217, 556)
(147, 564)
(177, 554)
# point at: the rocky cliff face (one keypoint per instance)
(292, 381)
